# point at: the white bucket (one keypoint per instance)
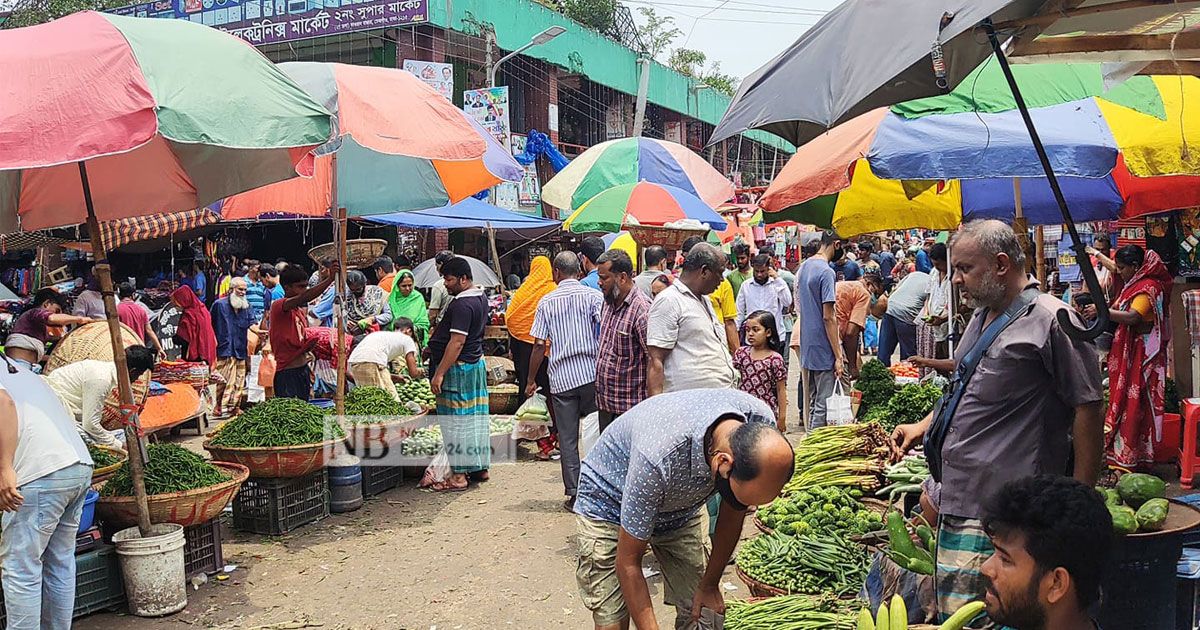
(152, 569)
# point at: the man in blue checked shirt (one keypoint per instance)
(645, 484)
(568, 319)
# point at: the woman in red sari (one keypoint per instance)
(1137, 365)
(195, 327)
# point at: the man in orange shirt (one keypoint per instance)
(385, 273)
(852, 303)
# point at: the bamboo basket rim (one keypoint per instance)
(250, 450)
(239, 475)
(755, 584)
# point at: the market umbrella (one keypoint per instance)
(623, 241)
(426, 275)
(107, 117)
(633, 160)
(399, 146)
(641, 204)
(7, 294)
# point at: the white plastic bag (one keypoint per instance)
(437, 471)
(837, 406)
(533, 410)
(589, 433)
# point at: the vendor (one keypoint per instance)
(1033, 389)
(26, 344)
(366, 305)
(405, 302)
(83, 387)
(288, 322)
(371, 357)
(645, 483)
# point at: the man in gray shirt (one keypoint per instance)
(903, 306)
(819, 345)
(655, 259)
(644, 484)
(1034, 389)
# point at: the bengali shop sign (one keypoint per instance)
(275, 21)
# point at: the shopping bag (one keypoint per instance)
(437, 471)
(266, 371)
(533, 410)
(589, 433)
(837, 406)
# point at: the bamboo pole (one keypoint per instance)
(133, 444)
(1039, 249)
(339, 395)
(491, 232)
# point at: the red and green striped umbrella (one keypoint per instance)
(168, 116)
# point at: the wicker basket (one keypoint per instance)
(669, 238)
(503, 400)
(283, 462)
(190, 507)
(369, 437)
(91, 341)
(360, 253)
(103, 474)
(758, 589)
(761, 527)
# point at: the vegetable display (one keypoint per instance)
(906, 553)
(851, 455)
(790, 612)
(500, 425)
(910, 404)
(1138, 504)
(372, 401)
(809, 563)
(877, 385)
(278, 422)
(418, 392)
(423, 442)
(172, 468)
(102, 457)
(905, 476)
(905, 369)
(823, 510)
(894, 616)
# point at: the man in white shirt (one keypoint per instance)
(84, 385)
(45, 472)
(685, 339)
(371, 357)
(764, 293)
(439, 297)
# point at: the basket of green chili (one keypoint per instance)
(106, 461)
(278, 438)
(181, 486)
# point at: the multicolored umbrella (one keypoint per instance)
(641, 204)
(400, 146)
(623, 241)
(169, 116)
(633, 160)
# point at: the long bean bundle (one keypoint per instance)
(172, 468)
(278, 422)
(791, 612)
(851, 456)
(808, 563)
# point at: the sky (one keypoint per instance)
(741, 34)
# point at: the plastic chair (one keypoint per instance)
(1189, 459)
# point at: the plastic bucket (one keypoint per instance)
(152, 569)
(88, 517)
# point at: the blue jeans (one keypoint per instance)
(37, 550)
(893, 331)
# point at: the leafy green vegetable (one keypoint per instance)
(278, 422)
(877, 385)
(102, 457)
(910, 404)
(172, 468)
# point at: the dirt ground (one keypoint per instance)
(498, 556)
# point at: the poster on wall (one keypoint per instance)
(529, 189)
(489, 108)
(439, 76)
(673, 131)
(1189, 243)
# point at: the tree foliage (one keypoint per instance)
(658, 33)
(691, 63)
(596, 14)
(31, 12)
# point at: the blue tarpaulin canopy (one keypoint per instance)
(471, 213)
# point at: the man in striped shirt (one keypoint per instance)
(568, 319)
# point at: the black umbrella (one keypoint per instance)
(867, 54)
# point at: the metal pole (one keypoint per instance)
(1089, 274)
(639, 113)
(133, 444)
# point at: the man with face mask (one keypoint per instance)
(764, 293)
(621, 360)
(1015, 402)
(645, 483)
(1053, 538)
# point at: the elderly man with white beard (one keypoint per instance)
(231, 318)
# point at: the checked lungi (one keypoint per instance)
(229, 394)
(962, 548)
(464, 414)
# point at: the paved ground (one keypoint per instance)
(499, 556)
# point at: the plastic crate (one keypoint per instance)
(378, 479)
(274, 507)
(87, 540)
(98, 584)
(202, 548)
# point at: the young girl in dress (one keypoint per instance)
(761, 364)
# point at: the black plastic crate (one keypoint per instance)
(1140, 586)
(98, 584)
(377, 479)
(202, 548)
(274, 507)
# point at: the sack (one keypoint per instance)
(437, 471)
(500, 371)
(531, 431)
(589, 433)
(837, 406)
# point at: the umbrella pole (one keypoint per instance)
(491, 232)
(1089, 274)
(339, 394)
(133, 443)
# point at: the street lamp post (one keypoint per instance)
(539, 39)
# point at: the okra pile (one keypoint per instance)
(278, 422)
(172, 468)
(372, 401)
(809, 563)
